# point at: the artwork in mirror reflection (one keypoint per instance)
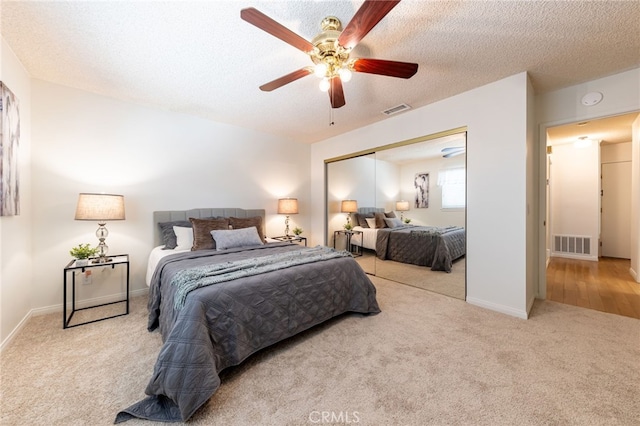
(423, 243)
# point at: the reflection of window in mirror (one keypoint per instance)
(452, 184)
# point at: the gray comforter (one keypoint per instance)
(220, 325)
(422, 245)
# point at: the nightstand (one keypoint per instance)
(292, 239)
(121, 261)
(353, 249)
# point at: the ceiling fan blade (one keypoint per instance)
(388, 68)
(370, 13)
(285, 79)
(453, 148)
(262, 21)
(336, 94)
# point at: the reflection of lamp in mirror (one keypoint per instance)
(349, 206)
(100, 208)
(287, 206)
(402, 206)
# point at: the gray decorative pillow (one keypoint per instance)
(168, 237)
(390, 214)
(235, 238)
(393, 222)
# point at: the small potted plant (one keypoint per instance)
(348, 226)
(82, 253)
(297, 230)
(407, 220)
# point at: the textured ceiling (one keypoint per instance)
(200, 58)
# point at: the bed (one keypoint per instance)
(220, 323)
(434, 247)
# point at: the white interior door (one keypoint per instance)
(616, 210)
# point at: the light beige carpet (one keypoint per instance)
(447, 283)
(451, 284)
(427, 359)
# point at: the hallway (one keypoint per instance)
(605, 285)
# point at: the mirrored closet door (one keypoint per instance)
(350, 184)
(408, 211)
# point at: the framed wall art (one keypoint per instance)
(9, 144)
(421, 183)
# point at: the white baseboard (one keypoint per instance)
(499, 308)
(58, 309)
(577, 257)
(15, 331)
(634, 274)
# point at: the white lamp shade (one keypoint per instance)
(402, 206)
(288, 206)
(100, 207)
(349, 206)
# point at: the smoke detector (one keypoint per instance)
(591, 99)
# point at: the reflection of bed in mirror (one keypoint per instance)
(434, 247)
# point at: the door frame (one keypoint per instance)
(544, 227)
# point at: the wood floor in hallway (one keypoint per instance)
(606, 285)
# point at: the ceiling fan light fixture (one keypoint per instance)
(345, 74)
(324, 84)
(330, 50)
(320, 70)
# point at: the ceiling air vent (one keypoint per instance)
(396, 109)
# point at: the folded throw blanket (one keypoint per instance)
(188, 280)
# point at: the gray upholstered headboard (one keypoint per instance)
(365, 210)
(171, 215)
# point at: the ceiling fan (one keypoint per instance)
(453, 151)
(330, 49)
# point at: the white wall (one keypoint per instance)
(496, 120)
(612, 153)
(387, 184)
(635, 200)
(158, 160)
(16, 264)
(349, 179)
(575, 199)
(621, 94)
(535, 222)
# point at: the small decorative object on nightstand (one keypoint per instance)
(72, 269)
(82, 253)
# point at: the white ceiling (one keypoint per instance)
(199, 57)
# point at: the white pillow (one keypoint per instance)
(184, 237)
(371, 221)
(234, 238)
(393, 222)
